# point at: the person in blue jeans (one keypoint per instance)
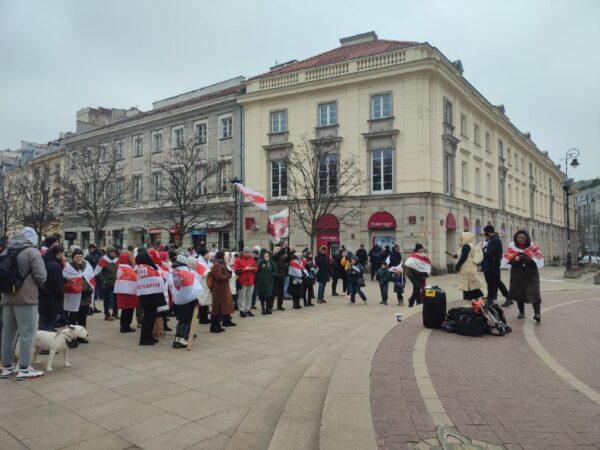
(109, 276)
(323, 268)
(356, 273)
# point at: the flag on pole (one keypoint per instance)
(279, 226)
(257, 199)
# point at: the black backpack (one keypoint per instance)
(10, 277)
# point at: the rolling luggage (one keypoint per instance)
(434, 307)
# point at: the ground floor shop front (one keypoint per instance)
(436, 221)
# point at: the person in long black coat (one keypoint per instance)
(149, 304)
(281, 260)
(324, 267)
(52, 294)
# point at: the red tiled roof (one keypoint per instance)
(344, 53)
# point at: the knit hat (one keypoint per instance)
(488, 229)
(247, 250)
(76, 251)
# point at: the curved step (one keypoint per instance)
(299, 426)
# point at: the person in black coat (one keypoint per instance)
(395, 257)
(362, 255)
(490, 266)
(281, 260)
(52, 294)
(336, 272)
(149, 303)
(324, 267)
(375, 259)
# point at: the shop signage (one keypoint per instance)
(70, 235)
(412, 220)
(154, 230)
(198, 232)
(382, 220)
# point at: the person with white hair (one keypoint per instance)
(20, 303)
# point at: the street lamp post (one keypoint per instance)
(236, 229)
(571, 155)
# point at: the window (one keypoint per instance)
(464, 175)
(509, 156)
(119, 189)
(382, 170)
(278, 121)
(381, 106)
(225, 176)
(119, 150)
(279, 179)
(516, 161)
(178, 183)
(178, 137)
(157, 142)
(509, 194)
(103, 153)
(476, 135)
(200, 181)
(448, 112)
(500, 148)
(488, 185)
(137, 188)
(156, 185)
(522, 165)
(477, 181)
(137, 146)
(487, 141)
(327, 114)
(226, 126)
(448, 174)
(201, 133)
(328, 174)
(463, 125)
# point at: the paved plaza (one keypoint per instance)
(330, 377)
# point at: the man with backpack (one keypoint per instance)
(22, 272)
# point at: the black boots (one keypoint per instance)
(216, 328)
(227, 322)
(536, 312)
(280, 304)
(296, 302)
(507, 303)
(203, 315)
(263, 308)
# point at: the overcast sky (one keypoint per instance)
(538, 58)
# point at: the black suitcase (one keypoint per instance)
(434, 307)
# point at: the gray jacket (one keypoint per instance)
(29, 261)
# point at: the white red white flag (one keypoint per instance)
(102, 263)
(279, 226)
(296, 269)
(183, 285)
(257, 199)
(533, 252)
(73, 287)
(418, 262)
(126, 282)
(90, 276)
(202, 267)
(149, 281)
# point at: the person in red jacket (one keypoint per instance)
(245, 269)
(125, 291)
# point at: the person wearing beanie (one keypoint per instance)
(323, 269)
(52, 293)
(245, 268)
(20, 307)
(222, 303)
(109, 276)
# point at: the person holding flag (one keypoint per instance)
(418, 268)
(126, 291)
(525, 259)
(107, 267)
(297, 275)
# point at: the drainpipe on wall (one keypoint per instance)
(240, 238)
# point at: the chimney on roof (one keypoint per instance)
(359, 38)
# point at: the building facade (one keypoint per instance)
(437, 158)
(210, 116)
(587, 201)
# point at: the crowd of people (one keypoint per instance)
(52, 289)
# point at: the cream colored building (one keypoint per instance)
(438, 158)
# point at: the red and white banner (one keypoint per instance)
(126, 282)
(257, 199)
(149, 281)
(296, 269)
(183, 285)
(202, 267)
(533, 252)
(73, 287)
(418, 262)
(102, 263)
(279, 226)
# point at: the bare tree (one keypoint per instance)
(319, 180)
(95, 186)
(8, 206)
(191, 183)
(38, 195)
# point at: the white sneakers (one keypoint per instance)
(30, 372)
(22, 374)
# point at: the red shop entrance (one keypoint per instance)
(382, 226)
(328, 233)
